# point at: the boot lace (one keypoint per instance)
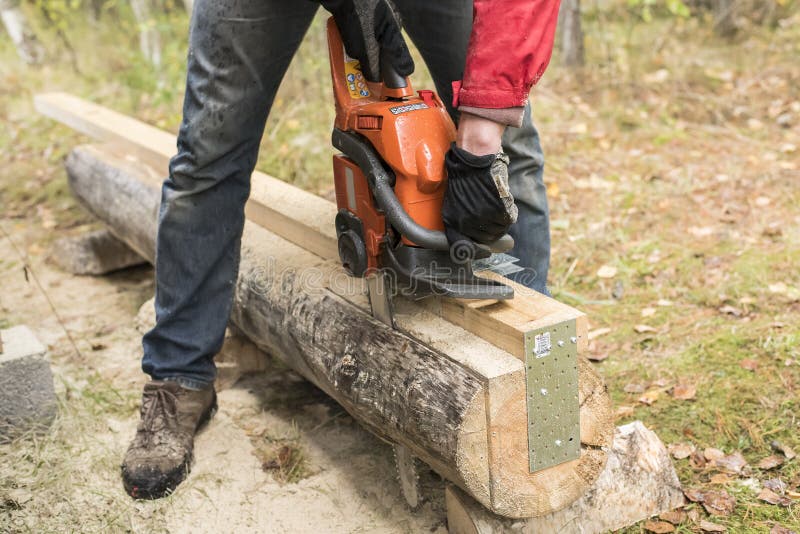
(160, 412)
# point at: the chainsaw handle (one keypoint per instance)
(391, 78)
(382, 185)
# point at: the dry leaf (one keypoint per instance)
(704, 231)
(780, 529)
(676, 517)
(598, 332)
(750, 365)
(730, 310)
(634, 387)
(607, 271)
(679, 451)
(594, 355)
(778, 287)
(659, 527)
(624, 411)
(770, 462)
(650, 397)
(664, 302)
(684, 392)
(708, 526)
(697, 460)
(720, 503)
(711, 454)
(643, 328)
(786, 450)
(648, 312)
(732, 463)
(767, 495)
(775, 484)
(694, 495)
(721, 479)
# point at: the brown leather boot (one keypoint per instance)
(160, 456)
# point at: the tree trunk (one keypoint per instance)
(725, 12)
(456, 401)
(572, 49)
(149, 39)
(16, 23)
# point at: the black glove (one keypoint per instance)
(370, 31)
(478, 206)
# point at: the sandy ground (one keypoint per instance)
(349, 484)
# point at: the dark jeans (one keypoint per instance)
(239, 51)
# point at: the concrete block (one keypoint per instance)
(27, 397)
(93, 253)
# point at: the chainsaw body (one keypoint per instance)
(390, 182)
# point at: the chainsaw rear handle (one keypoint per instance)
(382, 185)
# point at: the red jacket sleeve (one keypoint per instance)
(509, 50)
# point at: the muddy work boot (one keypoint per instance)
(160, 456)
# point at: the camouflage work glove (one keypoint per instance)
(478, 206)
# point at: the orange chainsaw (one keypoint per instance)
(390, 181)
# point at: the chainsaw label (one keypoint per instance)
(397, 110)
(356, 83)
(542, 345)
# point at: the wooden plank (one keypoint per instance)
(296, 215)
(308, 221)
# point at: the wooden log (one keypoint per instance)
(308, 221)
(639, 481)
(456, 401)
(93, 253)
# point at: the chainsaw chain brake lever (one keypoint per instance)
(381, 183)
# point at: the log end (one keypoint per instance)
(513, 490)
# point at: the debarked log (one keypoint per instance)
(454, 399)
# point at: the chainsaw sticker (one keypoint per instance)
(397, 110)
(356, 84)
(542, 345)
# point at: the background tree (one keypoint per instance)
(18, 28)
(571, 42)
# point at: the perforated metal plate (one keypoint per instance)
(551, 368)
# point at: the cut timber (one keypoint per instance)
(94, 253)
(456, 401)
(638, 482)
(308, 221)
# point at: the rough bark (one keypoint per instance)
(431, 386)
(572, 48)
(725, 17)
(18, 28)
